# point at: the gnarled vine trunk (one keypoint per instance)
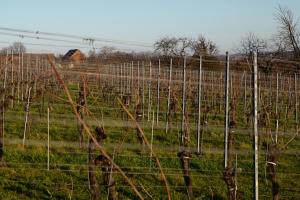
(185, 158)
(272, 157)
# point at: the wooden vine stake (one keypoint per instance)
(93, 183)
(169, 98)
(230, 172)
(199, 135)
(48, 146)
(255, 127)
(184, 155)
(26, 114)
(2, 109)
(3, 105)
(158, 93)
(81, 103)
(139, 118)
(149, 92)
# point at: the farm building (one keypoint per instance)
(74, 55)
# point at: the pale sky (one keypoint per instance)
(144, 21)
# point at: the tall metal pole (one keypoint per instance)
(22, 77)
(19, 73)
(27, 73)
(255, 129)
(276, 109)
(169, 95)
(26, 116)
(121, 78)
(143, 88)
(199, 137)
(3, 99)
(183, 102)
(138, 77)
(5, 72)
(245, 91)
(158, 95)
(149, 91)
(132, 84)
(226, 110)
(12, 77)
(128, 70)
(48, 146)
(296, 102)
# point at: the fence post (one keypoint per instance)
(48, 146)
(276, 109)
(183, 103)
(245, 91)
(132, 76)
(296, 102)
(12, 77)
(22, 77)
(158, 95)
(255, 129)
(26, 115)
(121, 78)
(149, 91)
(199, 137)
(226, 109)
(143, 88)
(19, 73)
(128, 75)
(3, 99)
(138, 78)
(169, 95)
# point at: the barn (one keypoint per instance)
(74, 55)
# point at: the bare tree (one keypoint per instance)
(166, 46)
(106, 52)
(173, 46)
(204, 47)
(15, 48)
(288, 35)
(183, 46)
(252, 43)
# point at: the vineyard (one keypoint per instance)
(149, 129)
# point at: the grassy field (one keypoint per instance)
(25, 174)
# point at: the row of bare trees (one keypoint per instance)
(284, 43)
(14, 48)
(183, 46)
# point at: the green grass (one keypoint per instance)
(26, 175)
